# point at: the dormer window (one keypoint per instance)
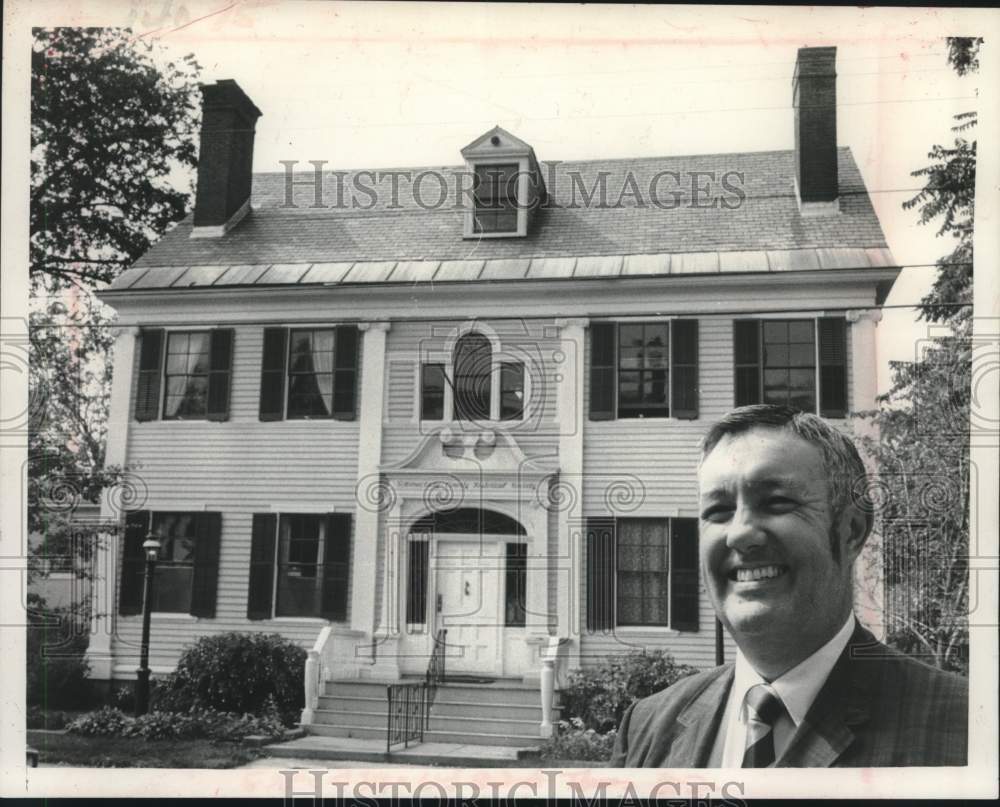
(507, 186)
(495, 196)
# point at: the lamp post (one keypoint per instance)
(152, 549)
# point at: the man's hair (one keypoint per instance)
(845, 470)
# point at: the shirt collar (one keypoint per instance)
(799, 686)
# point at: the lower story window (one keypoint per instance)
(175, 567)
(299, 566)
(515, 596)
(642, 572)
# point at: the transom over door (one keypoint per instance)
(469, 575)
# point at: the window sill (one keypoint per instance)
(171, 616)
(307, 620)
(647, 630)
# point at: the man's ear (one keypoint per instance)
(855, 527)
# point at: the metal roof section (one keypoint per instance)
(594, 267)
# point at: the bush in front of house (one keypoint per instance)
(196, 724)
(242, 673)
(598, 696)
(51, 719)
(56, 667)
(574, 741)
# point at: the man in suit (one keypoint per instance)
(779, 534)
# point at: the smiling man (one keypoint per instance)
(779, 535)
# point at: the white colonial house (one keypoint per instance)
(359, 416)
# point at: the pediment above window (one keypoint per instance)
(453, 450)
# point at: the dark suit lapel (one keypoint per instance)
(699, 723)
(843, 702)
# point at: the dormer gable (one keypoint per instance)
(507, 185)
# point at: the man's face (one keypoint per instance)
(766, 531)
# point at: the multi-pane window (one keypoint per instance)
(495, 194)
(515, 590)
(473, 377)
(789, 354)
(310, 373)
(176, 533)
(643, 561)
(432, 392)
(642, 572)
(299, 565)
(643, 369)
(186, 375)
(801, 363)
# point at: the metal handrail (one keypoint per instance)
(408, 706)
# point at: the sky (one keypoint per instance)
(378, 85)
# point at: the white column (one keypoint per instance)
(570, 416)
(106, 561)
(869, 572)
(370, 406)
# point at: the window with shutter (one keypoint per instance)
(260, 593)
(432, 392)
(775, 362)
(147, 399)
(272, 374)
(189, 370)
(644, 370)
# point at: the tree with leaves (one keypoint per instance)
(923, 422)
(113, 151)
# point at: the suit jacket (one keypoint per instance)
(878, 708)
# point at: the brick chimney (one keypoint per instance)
(814, 98)
(225, 163)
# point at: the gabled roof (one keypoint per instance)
(358, 245)
(507, 143)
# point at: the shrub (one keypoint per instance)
(106, 722)
(238, 672)
(39, 718)
(599, 696)
(198, 724)
(572, 740)
(56, 667)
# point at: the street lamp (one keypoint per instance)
(151, 546)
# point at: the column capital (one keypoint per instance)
(859, 314)
(380, 325)
(572, 322)
(126, 330)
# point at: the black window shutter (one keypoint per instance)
(147, 393)
(684, 366)
(205, 583)
(684, 574)
(600, 574)
(832, 367)
(345, 381)
(272, 374)
(220, 373)
(133, 562)
(602, 370)
(336, 563)
(746, 356)
(260, 591)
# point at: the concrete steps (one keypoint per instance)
(499, 713)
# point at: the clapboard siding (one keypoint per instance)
(170, 634)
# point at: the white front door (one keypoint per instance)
(469, 576)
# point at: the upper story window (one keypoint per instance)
(496, 198)
(644, 369)
(793, 362)
(507, 186)
(476, 385)
(184, 374)
(187, 569)
(309, 373)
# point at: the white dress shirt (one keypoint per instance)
(797, 689)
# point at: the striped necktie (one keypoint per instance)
(763, 709)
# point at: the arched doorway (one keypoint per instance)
(467, 574)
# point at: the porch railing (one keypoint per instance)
(409, 705)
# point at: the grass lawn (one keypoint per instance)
(128, 752)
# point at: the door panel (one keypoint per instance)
(468, 590)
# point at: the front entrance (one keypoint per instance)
(469, 576)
